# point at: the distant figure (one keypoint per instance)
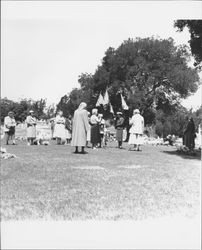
(31, 128)
(52, 126)
(9, 128)
(68, 129)
(80, 128)
(119, 125)
(136, 130)
(59, 131)
(189, 134)
(102, 127)
(95, 134)
(89, 132)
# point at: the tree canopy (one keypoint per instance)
(151, 74)
(195, 30)
(21, 108)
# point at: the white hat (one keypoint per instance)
(136, 111)
(119, 113)
(31, 111)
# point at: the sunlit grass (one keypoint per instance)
(51, 182)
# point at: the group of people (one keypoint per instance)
(93, 128)
(84, 128)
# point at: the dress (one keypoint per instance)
(95, 133)
(119, 124)
(31, 126)
(136, 130)
(59, 130)
(80, 128)
(68, 128)
(9, 125)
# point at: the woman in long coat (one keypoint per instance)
(136, 130)
(59, 131)
(95, 133)
(31, 128)
(80, 128)
(189, 134)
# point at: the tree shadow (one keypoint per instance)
(195, 156)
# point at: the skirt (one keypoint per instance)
(135, 139)
(119, 134)
(95, 134)
(31, 132)
(59, 131)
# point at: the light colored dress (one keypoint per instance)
(31, 126)
(80, 128)
(9, 123)
(136, 130)
(59, 130)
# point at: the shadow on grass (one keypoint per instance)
(196, 156)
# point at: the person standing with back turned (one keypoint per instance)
(80, 128)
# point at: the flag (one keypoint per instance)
(123, 103)
(111, 108)
(106, 98)
(100, 100)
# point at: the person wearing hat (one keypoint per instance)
(9, 128)
(59, 129)
(119, 125)
(95, 133)
(136, 130)
(31, 128)
(80, 128)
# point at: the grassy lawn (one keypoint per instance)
(50, 182)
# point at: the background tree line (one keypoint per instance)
(22, 107)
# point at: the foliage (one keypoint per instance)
(195, 30)
(151, 74)
(21, 108)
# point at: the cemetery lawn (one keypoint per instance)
(50, 182)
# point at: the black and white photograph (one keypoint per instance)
(101, 124)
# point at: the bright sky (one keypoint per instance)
(46, 45)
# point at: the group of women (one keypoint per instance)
(87, 128)
(83, 129)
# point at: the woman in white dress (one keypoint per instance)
(31, 122)
(136, 130)
(59, 131)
